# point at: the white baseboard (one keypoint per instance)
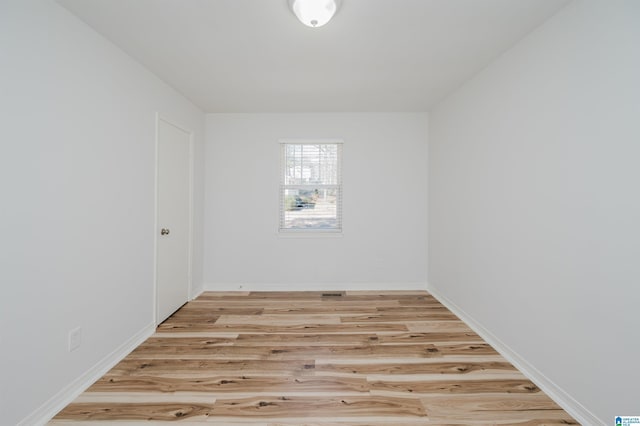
(312, 286)
(555, 392)
(70, 392)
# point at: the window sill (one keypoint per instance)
(308, 234)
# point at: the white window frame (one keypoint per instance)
(339, 207)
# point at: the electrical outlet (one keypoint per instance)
(75, 338)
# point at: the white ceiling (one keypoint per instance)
(255, 56)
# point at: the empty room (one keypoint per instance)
(320, 212)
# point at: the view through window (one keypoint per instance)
(311, 187)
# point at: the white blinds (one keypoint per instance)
(311, 187)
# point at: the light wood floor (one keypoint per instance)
(304, 358)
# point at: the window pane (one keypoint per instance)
(311, 164)
(313, 208)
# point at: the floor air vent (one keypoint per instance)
(332, 294)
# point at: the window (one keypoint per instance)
(311, 187)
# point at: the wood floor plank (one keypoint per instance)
(434, 368)
(297, 328)
(411, 338)
(193, 309)
(179, 334)
(453, 387)
(395, 317)
(326, 352)
(146, 396)
(325, 308)
(498, 408)
(227, 384)
(437, 326)
(186, 345)
(307, 358)
(441, 405)
(391, 293)
(277, 320)
(276, 339)
(109, 411)
(426, 306)
(196, 368)
(304, 407)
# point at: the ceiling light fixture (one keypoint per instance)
(314, 13)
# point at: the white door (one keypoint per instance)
(173, 219)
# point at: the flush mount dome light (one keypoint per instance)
(314, 13)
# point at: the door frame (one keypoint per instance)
(159, 117)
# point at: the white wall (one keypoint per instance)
(385, 203)
(77, 208)
(534, 207)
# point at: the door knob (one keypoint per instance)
(164, 231)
